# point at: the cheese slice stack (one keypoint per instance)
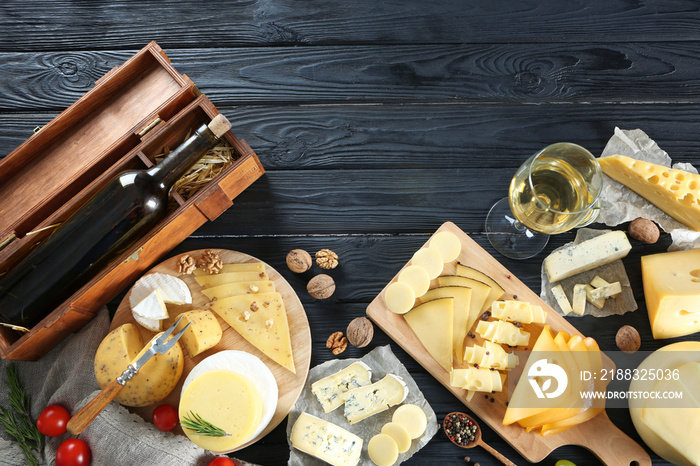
(489, 356)
(676, 192)
(502, 332)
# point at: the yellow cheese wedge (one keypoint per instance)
(399, 298)
(672, 292)
(676, 192)
(413, 418)
(497, 290)
(203, 333)
(400, 435)
(480, 293)
(447, 244)
(262, 320)
(326, 441)
(211, 281)
(432, 322)
(226, 399)
(462, 299)
(228, 268)
(234, 289)
(154, 381)
(382, 450)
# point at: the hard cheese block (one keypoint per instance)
(672, 292)
(262, 320)
(329, 390)
(432, 322)
(364, 402)
(676, 192)
(153, 382)
(326, 441)
(203, 333)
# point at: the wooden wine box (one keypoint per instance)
(136, 111)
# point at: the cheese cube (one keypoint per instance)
(490, 355)
(579, 305)
(501, 332)
(586, 255)
(326, 441)
(367, 401)
(672, 292)
(203, 333)
(477, 379)
(329, 389)
(518, 311)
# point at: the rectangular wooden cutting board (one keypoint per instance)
(599, 435)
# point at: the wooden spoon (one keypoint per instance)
(477, 439)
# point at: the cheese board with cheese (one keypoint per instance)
(289, 374)
(599, 434)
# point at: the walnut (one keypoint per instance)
(254, 306)
(628, 339)
(298, 260)
(321, 286)
(337, 343)
(644, 230)
(186, 264)
(245, 315)
(253, 288)
(327, 259)
(360, 332)
(269, 323)
(210, 262)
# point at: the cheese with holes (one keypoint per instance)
(234, 289)
(676, 192)
(490, 355)
(172, 289)
(210, 281)
(326, 441)
(228, 268)
(586, 255)
(152, 307)
(518, 311)
(432, 322)
(203, 333)
(262, 320)
(476, 379)
(480, 293)
(462, 297)
(369, 400)
(672, 292)
(153, 382)
(329, 390)
(502, 332)
(496, 291)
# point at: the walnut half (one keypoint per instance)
(337, 343)
(186, 264)
(327, 259)
(211, 262)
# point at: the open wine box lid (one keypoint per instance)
(135, 112)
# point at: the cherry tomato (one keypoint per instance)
(52, 420)
(165, 417)
(73, 452)
(221, 461)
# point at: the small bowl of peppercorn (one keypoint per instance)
(463, 431)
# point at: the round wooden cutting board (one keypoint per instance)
(289, 385)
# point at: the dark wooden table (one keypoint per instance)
(378, 121)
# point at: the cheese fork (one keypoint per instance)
(85, 416)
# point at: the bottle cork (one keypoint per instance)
(219, 125)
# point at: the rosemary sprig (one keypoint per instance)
(20, 425)
(199, 426)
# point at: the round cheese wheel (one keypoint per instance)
(400, 435)
(447, 244)
(399, 298)
(382, 450)
(430, 260)
(417, 278)
(413, 418)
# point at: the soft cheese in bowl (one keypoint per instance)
(232, 391)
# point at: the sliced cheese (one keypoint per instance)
(234, 289)
(326, 441)
(172, 289)
(447, 244)
(153, 382)
(413, 418)
(154, 325)
(501, 332)
(676, 192)
(369, 400)
(210, 281)
(587, 255)
(597, 282)
(152, 307)
(262, 320)
(462, 298)
(476, 379)
(399, 298)
(430, 260)
(579, 302)
(672, 292)
(383, 450)
(400, 435)
(417, 278)
(228, 268)
(480, 293)
(599, 303)
(562, 300)
(606, 291)
(203, 333)
(329, 390)
(496, 291)
(432, 322)
(518, 311)
(490, 355)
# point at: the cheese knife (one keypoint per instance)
(85, 416)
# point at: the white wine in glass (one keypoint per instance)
(555, 190)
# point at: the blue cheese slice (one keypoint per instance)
(367, 401)
(326, 441)
(329, 390)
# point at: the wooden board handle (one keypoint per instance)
(85, 416)
(496, 454)
(615, 447)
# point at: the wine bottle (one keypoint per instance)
(110, 222)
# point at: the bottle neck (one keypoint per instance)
(179, 161)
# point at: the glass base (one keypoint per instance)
(510, 237)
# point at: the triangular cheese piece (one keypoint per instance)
(210, 281)
(480, 293)
(676, 192)
(262, 320)
(462, 296)
(497, 290)
(235, 289)
(432, 323)
(152, 307)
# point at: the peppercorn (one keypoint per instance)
(460, 429)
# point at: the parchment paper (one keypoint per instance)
(620, 204)
(612, 272)
(382, 361)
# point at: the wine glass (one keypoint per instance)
(555, 190)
